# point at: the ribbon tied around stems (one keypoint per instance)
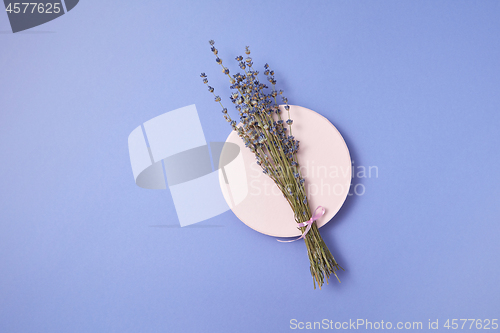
(307, 224)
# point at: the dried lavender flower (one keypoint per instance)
(264, 132)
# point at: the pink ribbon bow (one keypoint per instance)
(308, 224)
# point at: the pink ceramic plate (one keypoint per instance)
(326, 167)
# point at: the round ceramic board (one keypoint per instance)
(325, 164)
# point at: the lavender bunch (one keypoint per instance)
(270, 138)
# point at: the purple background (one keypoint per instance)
(414, 87)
